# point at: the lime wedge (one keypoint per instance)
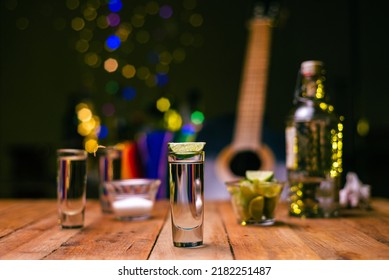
(256, 207)
(186, 147)
(267, 189)
(272, 191)
(260, 175)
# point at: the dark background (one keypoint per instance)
(42, 76)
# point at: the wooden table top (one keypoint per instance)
(29, 231)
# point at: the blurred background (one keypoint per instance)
(77, 73)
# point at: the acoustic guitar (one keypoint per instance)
(247, 152)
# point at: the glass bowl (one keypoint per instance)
(132, 199)
(254, 202)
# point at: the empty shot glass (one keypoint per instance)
(186, 182)
(71, 187)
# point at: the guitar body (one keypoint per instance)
(247, 152)
(233, 162)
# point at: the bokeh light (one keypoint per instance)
(165, 11)
(84, 114)
(111, 65)
(77, 23)
(162, 79)
(143, 72)
(72, 4)
(102, 22)
(123, 31)
(137, 20)
(172, 120)
(103, 132)
(113, 19)
(112, 87)
(88, 125)
(363, 127)
(163, 104)
(91, 145)
(197, 117)
(128, 71)
(92, 59)
(179, 55)
(188, 129)
(152, 8)
(112, 42)
(90, 13)
(196, 20)
(129, 93)
(82, 45)
(115, 5)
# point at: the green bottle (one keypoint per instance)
(314, 141)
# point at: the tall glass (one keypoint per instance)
(71, 187)
(186, 181)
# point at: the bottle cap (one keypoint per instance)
(311, 67)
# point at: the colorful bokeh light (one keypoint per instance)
(197, 117)
(163, 104)
(129, 93)
(165, 11)
(112, 42)
(115, 5)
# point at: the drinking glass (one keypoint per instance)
(71, 187)
(186, 181)
(254, 203)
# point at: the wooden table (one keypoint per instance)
(29, 230)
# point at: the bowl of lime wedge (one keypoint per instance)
(255, 198)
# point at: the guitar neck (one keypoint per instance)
(250, 110)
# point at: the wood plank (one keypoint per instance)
(215, 246)
(42, 236)
(333, 239)
(341, 238)
(109, 238)
(264, 242)
(20, 213)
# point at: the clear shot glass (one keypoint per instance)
(71, 187)
(186, 181)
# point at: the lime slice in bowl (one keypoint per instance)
(260, 175)
(256, 207)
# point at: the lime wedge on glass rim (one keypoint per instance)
(186, 147)
(260, 175)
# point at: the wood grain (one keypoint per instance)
(29, 230)
(215, 246)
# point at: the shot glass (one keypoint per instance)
(71, 187)
(186, 181)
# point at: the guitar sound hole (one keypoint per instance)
(243, 161)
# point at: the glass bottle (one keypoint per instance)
(314, 135)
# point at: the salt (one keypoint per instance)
(133, 207)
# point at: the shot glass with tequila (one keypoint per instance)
(71, 187)
(186, 182)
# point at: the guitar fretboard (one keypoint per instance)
(250, 110)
